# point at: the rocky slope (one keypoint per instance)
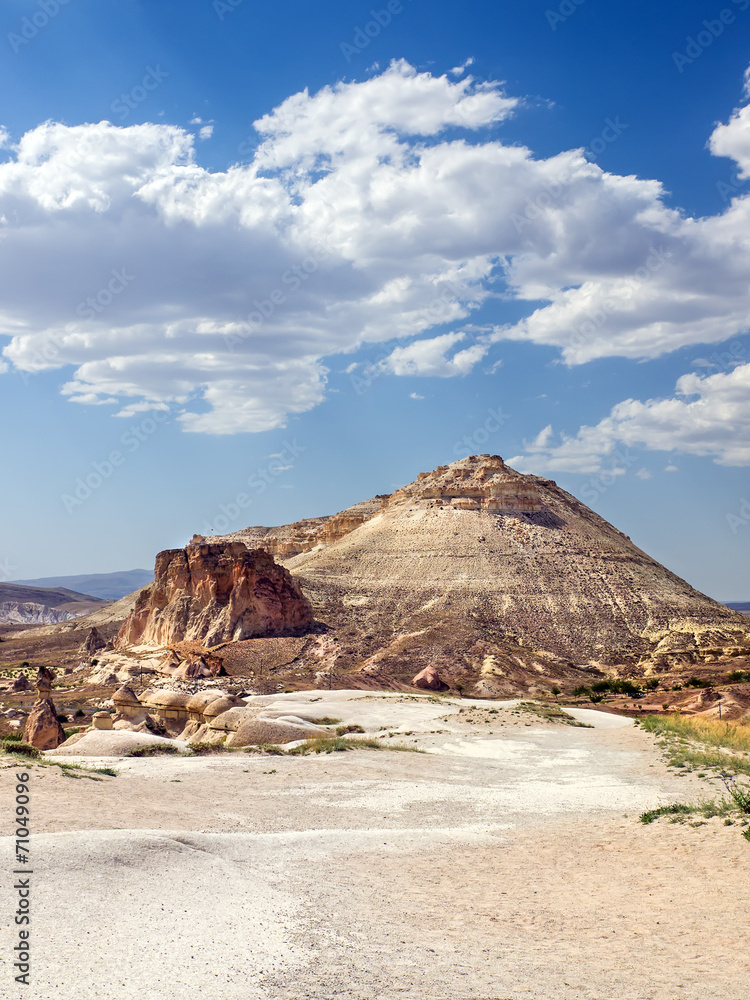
(21, 605)
(14, 613)
(477, 568)
(215, 593)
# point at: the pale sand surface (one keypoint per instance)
(496, 866)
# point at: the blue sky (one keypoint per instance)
(318, 250)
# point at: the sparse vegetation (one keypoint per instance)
(343, 730)
(737, 806)
(552, 714)
(15, 745)
(153, 750)
(713, 732)
(738, 677)
(205, 749)
(337, 744)
(710, 744)
(327, 721)
(597, 691)
(679, 810)
(697, 682)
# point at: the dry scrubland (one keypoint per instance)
(507, 860)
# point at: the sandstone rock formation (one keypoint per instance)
(492, 576)
(429, 680)
(43, 729)
(22, 683)
(93, 642)
(215, 593)
(212, 717)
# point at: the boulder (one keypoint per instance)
(21, 683)
(43, 729)
(200, 701)
(429, 680)
(115, 743)
(93, 642)
(102, 720)
(254, 731)
(221, 705)
(126, 701)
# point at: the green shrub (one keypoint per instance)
(697, 682)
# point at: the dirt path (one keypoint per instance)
(495, 866)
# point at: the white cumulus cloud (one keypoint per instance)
(707, 416)
(370, 211)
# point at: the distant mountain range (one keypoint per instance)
(20, 605)
(105, 586)
(743, 606)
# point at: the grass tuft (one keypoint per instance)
(552, 713)
(707, 809)
(153, 750)
(338, 744)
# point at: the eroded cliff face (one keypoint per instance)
(481, 482)
(215, 592)
(475, 559)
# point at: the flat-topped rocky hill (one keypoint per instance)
(477, 567)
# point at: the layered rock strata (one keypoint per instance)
(214, 593)
(478, 565)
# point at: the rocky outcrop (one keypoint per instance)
(43, 729)
(488, 485)
(290, 540)
(497, 577)
(215, 592)
(93, 642)
(429, 680)
(21, 683)
(16, 613)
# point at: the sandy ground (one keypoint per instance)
(506, 862)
